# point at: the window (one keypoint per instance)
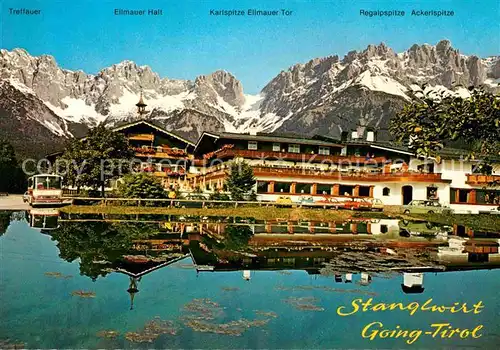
(487, 197)
(324, 150)
(324, 189)
(432, 193)
(48, 182)
(345, 190)
(262, 186)
(283, 187)
(276, 147)
(303, 188)
(252, 145)
(463, 196)
(294, 148)
(386, 191)
(364, 191)
(343, 151)
(384, 229)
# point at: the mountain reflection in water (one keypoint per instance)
(352, 255)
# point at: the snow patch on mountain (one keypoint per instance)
(77, 111)
(492, 82)
(382, 83)
(55, 128)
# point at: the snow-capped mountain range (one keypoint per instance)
(325, 95)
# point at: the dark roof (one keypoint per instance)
(153, 125)
(389, 145)
(271, 137)
(451, 152)
(127, 125)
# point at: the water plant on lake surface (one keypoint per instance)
(304, 303)
(110, 334)
(202, 309)
(235, 328)
(202, 314)
(57, 275)
(83, 294)
(152, 330)
(8, 344)
(266, 313)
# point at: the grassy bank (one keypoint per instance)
(484, 222)
(260, 213)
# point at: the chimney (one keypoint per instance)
(343, 136)
(371, 136)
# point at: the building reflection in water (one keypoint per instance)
(354, 251)
(413, 282)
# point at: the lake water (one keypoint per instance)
(67, 282)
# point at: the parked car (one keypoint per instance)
(423, 229)
(329, 202)
(306, 200)
(357, 204)
(284, 200)
(495, 210)
(376, 203)
(426, 207)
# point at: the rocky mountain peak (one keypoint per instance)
(444, 47)
(223, 84)
(381, 51)
(324, 95)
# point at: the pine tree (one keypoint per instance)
(240, 181)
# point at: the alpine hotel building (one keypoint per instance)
(317, 167)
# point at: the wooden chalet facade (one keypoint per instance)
(163, 153)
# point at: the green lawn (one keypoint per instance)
(260, 213)
(482, 222)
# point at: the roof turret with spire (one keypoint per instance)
(133, 290)
(141, 106)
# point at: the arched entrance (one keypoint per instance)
(407, 194)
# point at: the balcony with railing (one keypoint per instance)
(170, 173)
(160, 152)
(363, 175)
(141, 137)
(228, 153)
(483, 180)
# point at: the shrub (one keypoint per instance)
(141, 185)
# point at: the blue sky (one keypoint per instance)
(186, 41)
